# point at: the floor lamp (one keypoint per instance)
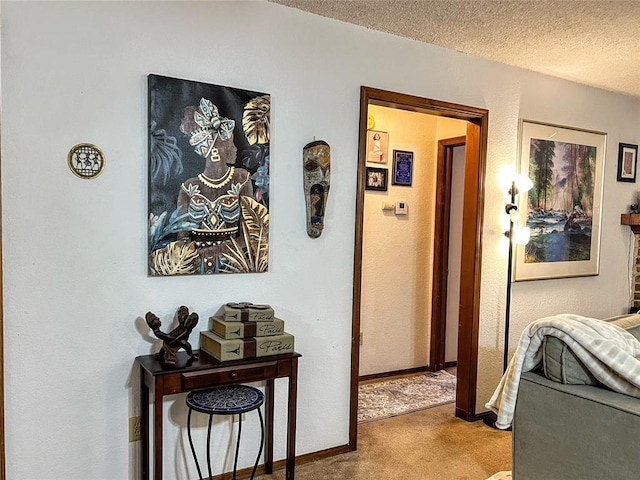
(516, 235)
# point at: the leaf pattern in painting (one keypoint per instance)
(255, 120)
(164, 154)
(255, 231)
(161, 227)
(176, 258)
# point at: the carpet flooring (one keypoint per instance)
(429, 444)
(397, 396)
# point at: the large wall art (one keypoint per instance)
(563, 208)
(208, 178)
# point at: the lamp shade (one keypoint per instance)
(515, 216)
(523, 183)
(521, 235)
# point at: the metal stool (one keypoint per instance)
(231, 400)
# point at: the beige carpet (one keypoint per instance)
(427, 445)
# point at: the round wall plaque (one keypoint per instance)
(86, 160)
(371, 122)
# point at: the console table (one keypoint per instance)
(205, 372)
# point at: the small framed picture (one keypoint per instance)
(402, 167)
(377, 146)
(376, 179)
(627, 162)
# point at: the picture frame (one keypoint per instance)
(376, 179)
(208, 151)
(563, 209)
(627, 162)
(402, 168)
(377, 146)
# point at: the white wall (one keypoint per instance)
(74, 251)
(397, 251)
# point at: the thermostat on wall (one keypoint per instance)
(401, 208)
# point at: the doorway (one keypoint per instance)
(475, 159)
(445, 319)
(398, 297)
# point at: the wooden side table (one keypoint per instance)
(157, 381)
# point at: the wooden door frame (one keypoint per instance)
(475, 162)
(441, 250)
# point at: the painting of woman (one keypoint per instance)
(217, 224)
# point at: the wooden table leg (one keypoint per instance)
(157, 429)
(268, 447)
(291, 421)
(144, 425)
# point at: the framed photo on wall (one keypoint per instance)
(402, 167)
(627, 162)
(377, 146)
(377, 179)
(563, 209)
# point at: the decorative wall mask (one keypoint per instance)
(316, 161)
(208, 178)
(86, 160)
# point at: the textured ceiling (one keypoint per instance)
(592, 42)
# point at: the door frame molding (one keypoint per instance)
(441, 250)
(475, 165)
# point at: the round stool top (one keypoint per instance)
(229, 400)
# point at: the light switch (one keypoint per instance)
(388, 206)
(401, 208)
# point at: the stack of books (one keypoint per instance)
(244, 330)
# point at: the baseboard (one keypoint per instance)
(395, 373)
(465, 415)
(481, 416)
(472, 416)
(319, 455)
(454, 363)
(281, 464)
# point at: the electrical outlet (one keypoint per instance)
(135, 429)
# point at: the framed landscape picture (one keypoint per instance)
(563, 208)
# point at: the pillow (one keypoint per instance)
(561, 365)
(631, 323)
